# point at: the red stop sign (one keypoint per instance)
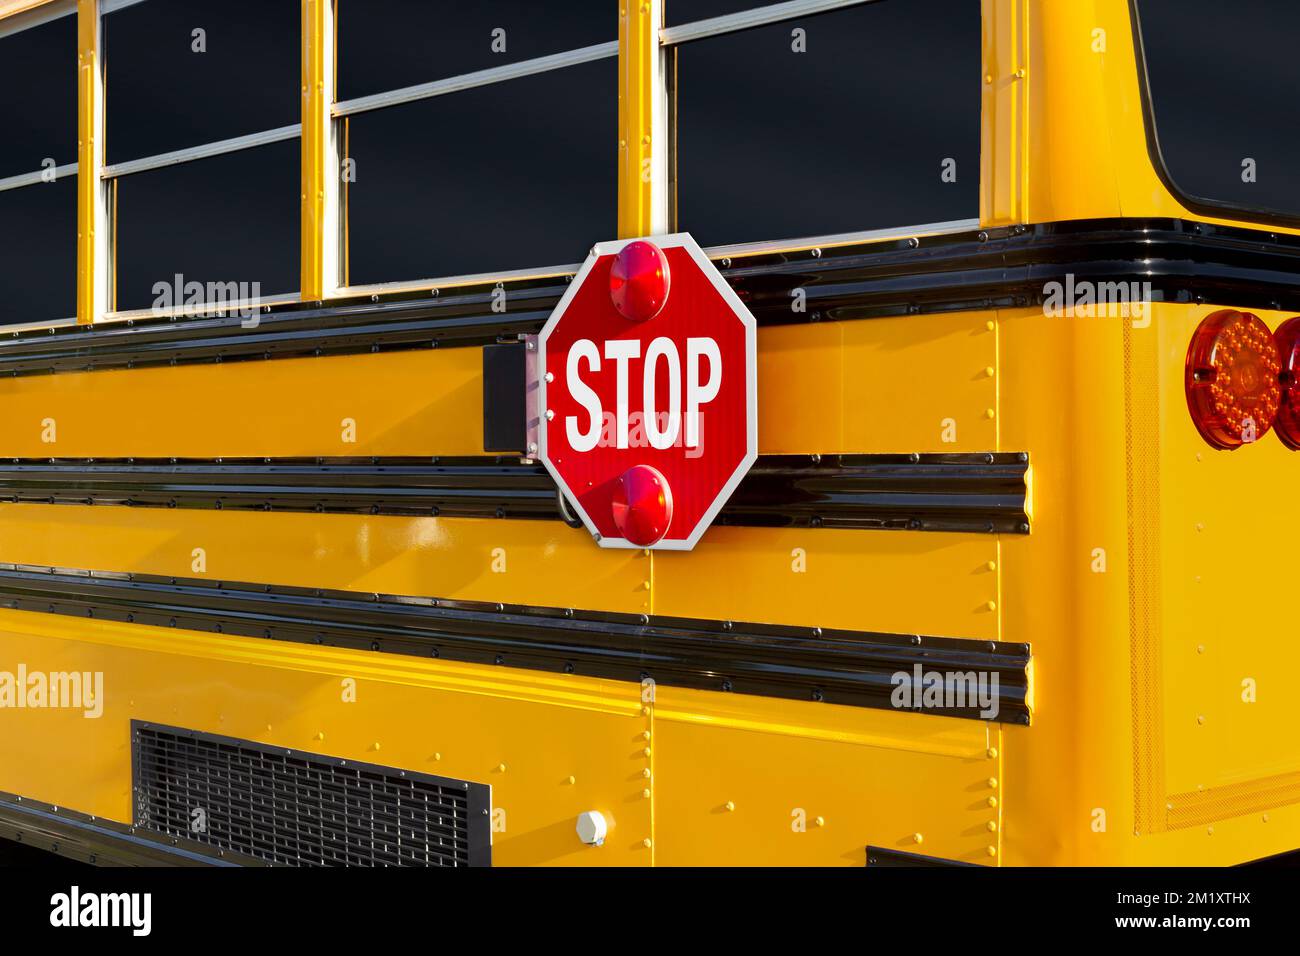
(649, 392)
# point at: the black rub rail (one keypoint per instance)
(977, 269)
(854, 668)
(981, 492)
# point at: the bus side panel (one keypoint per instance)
(550, 746)
(745, 782)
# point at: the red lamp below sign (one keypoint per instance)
(643, 505)
(639, 281)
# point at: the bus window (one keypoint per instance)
(188, 72)
(860, 118)
(38, 183)
(1220, 87)
(232, 218)
(390, 44)
(38, 252)
(486, 171)
(202, 114)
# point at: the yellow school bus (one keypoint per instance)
(280, 582)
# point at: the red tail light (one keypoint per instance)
(1231, 377)
(1288, 412)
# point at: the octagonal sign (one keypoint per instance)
(648, 386)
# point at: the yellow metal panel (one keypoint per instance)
(1003, 166)
(944, 585)
(841, 387)
(1227, 576)
(523, 562)
(742, 781)
(423, 402)
(852, 387)
(524, 733)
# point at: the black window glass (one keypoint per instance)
(862, 118)
(388, 44)
(38, 97)
(511, 175)
(182, 73)
(230, 218)
(1223, 81)
(38, 252)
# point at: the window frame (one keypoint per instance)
(671, 38)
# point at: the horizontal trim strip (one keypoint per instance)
(854, 668)
(978, 269)
(467, 81)
(206, 151)
(964, 493)
(747, 19)
(95, 840)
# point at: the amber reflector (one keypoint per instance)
(1288, 413)
(1233, 391)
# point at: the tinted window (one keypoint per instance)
(38, 97)
(861, 130)
(38, 252)
(688, 11)
(1223, 79)
(507, 176)
(182, 73)
(388, 44)
(231, 218)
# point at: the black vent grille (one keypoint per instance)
(290, 808)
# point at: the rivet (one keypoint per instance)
(572, 780)
(646, 752)
(645, 734)
(988, 77)
(437, 756)
(989, 413)
(646, 794)
(1265, 818)
(993, 783)
(993, 851)
(1209, 831)
(992, 826)
(645, 772)
(992, 752)
(647, 843)
(918, 838)
(989, 326)
(820, 821)
(731, 806)
(992, 605)
(992, 801)
(1200, 648)
(1200, 718)
(988, 371)
(501, 768)
(992, 565)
